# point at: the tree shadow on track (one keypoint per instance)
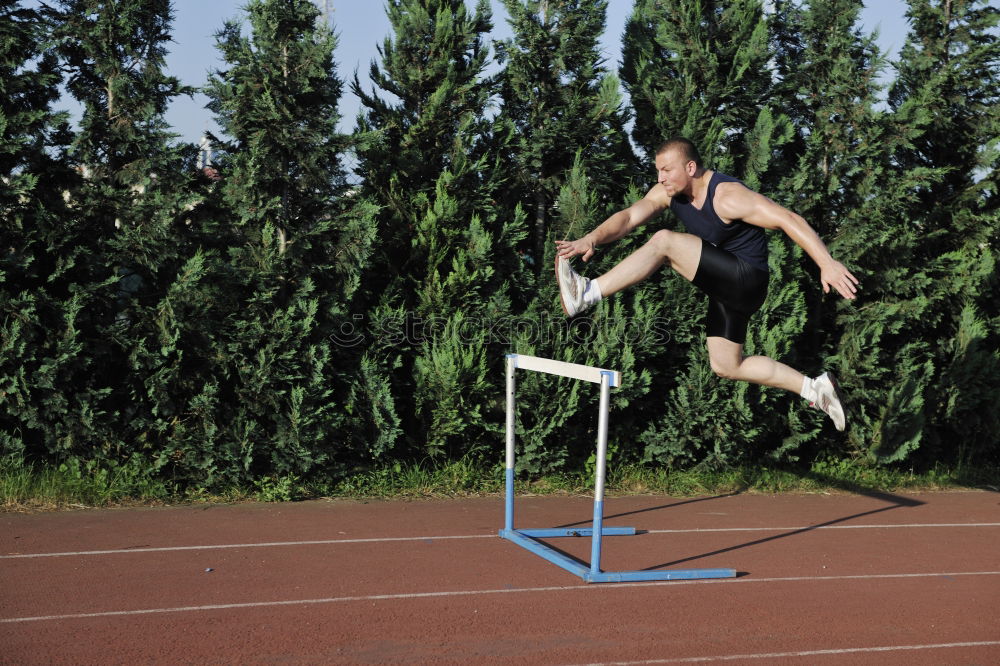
(895, 502)
(654, 508)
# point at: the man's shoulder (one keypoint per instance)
(657, 196)
(733, 200)
(720, 179)
(731, 187)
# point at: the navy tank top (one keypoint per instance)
(746, 241)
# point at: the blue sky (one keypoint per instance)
(362, 25)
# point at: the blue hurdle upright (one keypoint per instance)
(529, 539)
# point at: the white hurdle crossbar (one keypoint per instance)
(528, 539)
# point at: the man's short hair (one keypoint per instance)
(688, 149)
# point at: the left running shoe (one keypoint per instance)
(829, 399)
(571, 288)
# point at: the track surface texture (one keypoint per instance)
(824, 579)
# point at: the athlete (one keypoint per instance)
(725, 255)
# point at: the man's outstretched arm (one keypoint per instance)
(616, 226)
(735, 202)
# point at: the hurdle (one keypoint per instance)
(529, 538)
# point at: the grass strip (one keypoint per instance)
(30, 488)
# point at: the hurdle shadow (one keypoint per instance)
(655, 508)
(895, 502)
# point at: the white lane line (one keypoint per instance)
(804, 653)
(324, 542)
(334, 542)
(511, 590)
(820, 527)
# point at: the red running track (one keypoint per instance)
(826, 579)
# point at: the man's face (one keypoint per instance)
(673, 172)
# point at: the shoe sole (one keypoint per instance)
(559, 285)
(840, 396)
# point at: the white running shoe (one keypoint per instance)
(829, 399)
(571, 288)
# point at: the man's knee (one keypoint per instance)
(680, 248)
(725, 369)
(664, 241)
(725, 365)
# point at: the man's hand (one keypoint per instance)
(570, 249)
(836, 275)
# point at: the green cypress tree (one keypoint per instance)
(944, 102)
(849, 184)
(566, 116)
(573, 167)
(433, 66)
(456, 355)
(43, 259)
(115, 51)
(949, 64)
(117, 250)
(281, 77)
(828, 85)
(699, 68)
(464, 283)
(445, 255)
(844, 184)
(561, 101)
(282, 396)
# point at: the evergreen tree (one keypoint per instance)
(933, 316)
(961, 94)
(561, 102)
(572, 166)
(446, 256)
(700, 69)
(433, 67)
(841, 182)
(40, 350)
(851, 186)
(948, 67)
(280, 396)
(281, 77)
(111, 249)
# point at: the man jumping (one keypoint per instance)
(724, 255)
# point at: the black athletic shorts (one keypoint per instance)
(735, 291)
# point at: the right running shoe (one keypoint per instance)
(571, 288)
(829, 399)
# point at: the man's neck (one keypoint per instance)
(699, 186)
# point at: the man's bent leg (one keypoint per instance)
(683, 251)
(728, 361)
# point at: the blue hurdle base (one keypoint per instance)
(527, 539)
